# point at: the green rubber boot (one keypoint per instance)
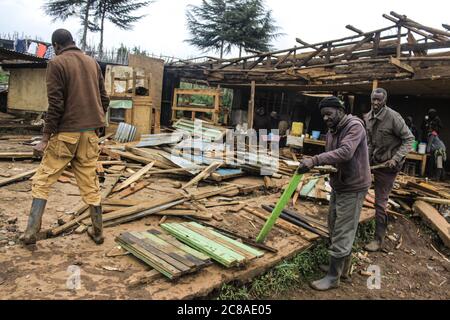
(346, 269)
(34, 221)
(96, 231)
(331, 280)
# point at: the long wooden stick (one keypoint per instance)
(135, 177)
(17, 177)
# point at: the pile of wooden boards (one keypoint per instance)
(163, 252)
(228, 252)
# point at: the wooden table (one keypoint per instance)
(419, 157)
(411, 156)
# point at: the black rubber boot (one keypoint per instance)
(96, 231)
(331, 280)
(34, 221)
(378, 242)
(345, 270)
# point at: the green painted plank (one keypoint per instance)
(236, 243)
(247, 255)
(172, 240)
(217, 252)
(205, 245)
(173, 251)
(152, 249)
(285, 197)
(307, 188)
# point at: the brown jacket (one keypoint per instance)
(388, 137)
(76, 93)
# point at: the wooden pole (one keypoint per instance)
(251, 105)
(399, 41)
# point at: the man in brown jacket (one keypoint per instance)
(389, 141)
(77, 106)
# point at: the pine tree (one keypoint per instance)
(220, 25)
(64, 9)
(207, 24)
(119, 13)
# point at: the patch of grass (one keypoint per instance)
(286, 275)
(364, 234)
(294, 272)
(4, 77)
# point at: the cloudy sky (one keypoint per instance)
(163, 30)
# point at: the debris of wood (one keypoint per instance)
(17, 177)
(135, 177)
(165, 257)
(203, 175)
(436, 221)
(222, 249)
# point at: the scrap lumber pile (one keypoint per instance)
(219, 247)
(163, 252)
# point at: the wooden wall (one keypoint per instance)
(156, 68)
(27, 90)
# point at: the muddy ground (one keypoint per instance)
(46, 271)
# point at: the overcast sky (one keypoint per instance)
(163, 30)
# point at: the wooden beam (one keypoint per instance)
(203, 175)
(436, 221)
(352, 28)
(135, 177)
(251, 105)
(17, 177)
(403, 66)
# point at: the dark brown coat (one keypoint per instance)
(76, 93)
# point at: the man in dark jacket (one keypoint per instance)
(77, 106)
(389, 140)
(346, 149)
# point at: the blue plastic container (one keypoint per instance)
(315, 135)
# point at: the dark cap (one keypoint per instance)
(331, 102)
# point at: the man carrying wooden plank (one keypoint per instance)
(346, 149)
(77, 105)
(389, 141)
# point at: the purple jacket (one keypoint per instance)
(346, 149)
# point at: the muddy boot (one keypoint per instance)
(377, 244)
(331, 280)
(34, 221)
(346, 269)
(96, 231)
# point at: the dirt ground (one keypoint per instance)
(412, 271)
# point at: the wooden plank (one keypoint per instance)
(132, 189)
(135, 177)
(146, 205)
(233, 242)
(436, 221)
(16, 155)
(403, 66)
(212, 237)
(251, 105)
(173, 241)
(216, 251)
(279, 223)
(203, 175)
(17, 177)
(152, 260)
(174, 252)
(129, 155)
(434, 200)
(150, 246)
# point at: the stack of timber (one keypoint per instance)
(226, 251)
(163, 252)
